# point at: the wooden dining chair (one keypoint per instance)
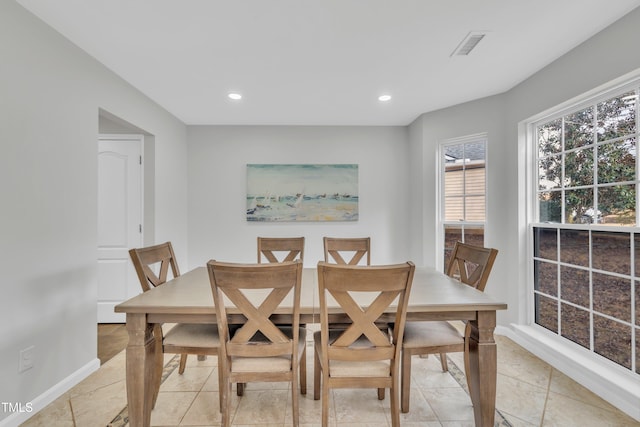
(472, 266)
(258, 349)
(347, 250)
(362, 355)
(350, 251)
(279, 249)
(152, 266)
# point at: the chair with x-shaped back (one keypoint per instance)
(472, 266)
(152, 266)
(362, 355)
(258, 349)
(279, 249)
(353, 248)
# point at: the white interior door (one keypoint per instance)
(119, 221)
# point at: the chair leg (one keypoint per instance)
(381, 394)
(303, 371)
(226, 403)
(183, 363)
(240, 389)
(443, 362)
(158, 363)
(405, 386)
(317, 370)
(466, 365)
(295, 409)
(220, 382)
(325, 401)
(395, 413)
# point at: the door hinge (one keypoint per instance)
(140, 159)
(140, 227)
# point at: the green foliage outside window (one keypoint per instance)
(587, 164)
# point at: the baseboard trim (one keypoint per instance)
(609, 381)
(40, 402)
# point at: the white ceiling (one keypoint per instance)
(322, 62)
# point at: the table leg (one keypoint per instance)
(483, 368)
(141, 370)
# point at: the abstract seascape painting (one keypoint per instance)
(305, 192)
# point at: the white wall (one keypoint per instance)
(481, 116)
(51, 93)
(217, 188)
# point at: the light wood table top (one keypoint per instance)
(433, 295)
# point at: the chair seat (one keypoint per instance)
(269, 364)
(354, 368)
(431, 334)
(192, 335)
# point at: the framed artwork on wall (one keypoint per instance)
(302, 192)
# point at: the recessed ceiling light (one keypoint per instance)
(235, 96)
(384, 98)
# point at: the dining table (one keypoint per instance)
(188, 299)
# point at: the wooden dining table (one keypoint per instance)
(188, 299)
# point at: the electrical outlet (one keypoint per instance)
(26, 358)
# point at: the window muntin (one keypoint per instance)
(463, 197)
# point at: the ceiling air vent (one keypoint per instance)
(468, 43)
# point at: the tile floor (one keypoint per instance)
(530, 393)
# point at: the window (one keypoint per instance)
(586, 240)
(463, 178)
(587, 164)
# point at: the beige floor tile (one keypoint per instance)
(211, 384)
(58, 413)
(428, 373)
(261, 407)
(520, 399)
(357, 406)
(367, 424)
(449, 404)
(421, 424)
(111, 372)
(517, 422)
(310, 410)
(419, 409)
(566, 412)
(171, 407)
(565, 386)
(98, 406)
(458, 424)
(192, 361)
(193, 379)
(205, 410)
(515, 362)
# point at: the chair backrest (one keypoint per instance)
(364, 293)
(160, 257)
(257, 290)
(335, 249)
(280, 249)
(471, 264)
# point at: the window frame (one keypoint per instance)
(530, 209)
(441, 164)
